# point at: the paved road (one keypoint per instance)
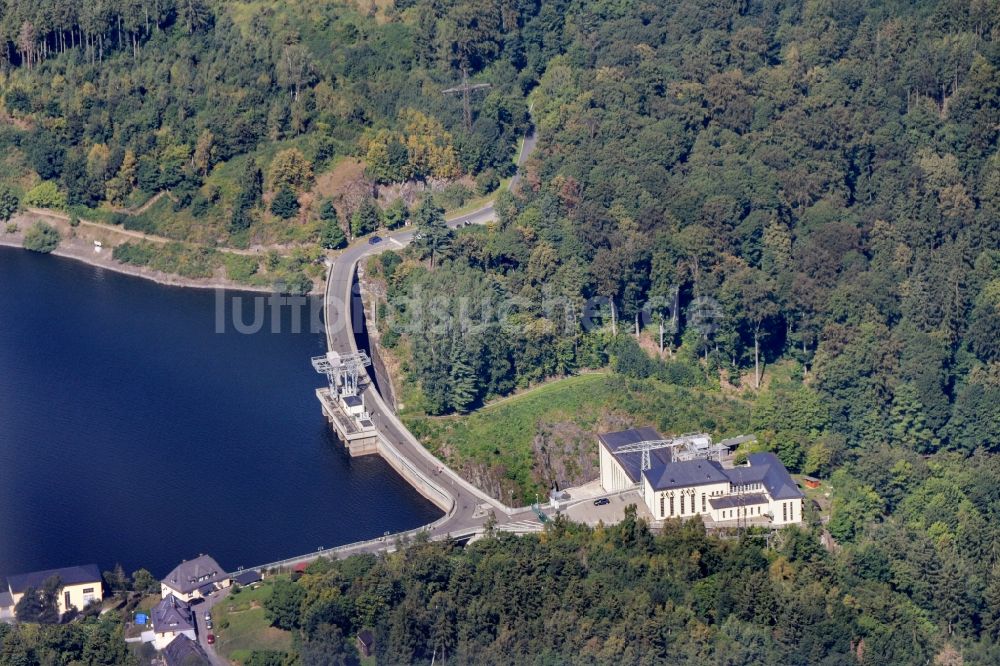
(203, 631)
(470, 505)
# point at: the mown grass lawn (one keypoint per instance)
(241, 624)
(504, 431)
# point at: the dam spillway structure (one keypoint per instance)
(343, 402)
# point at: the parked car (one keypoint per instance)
(208, 616)
(208, 625)
(210, 639)
(602, 501)
(374, 240)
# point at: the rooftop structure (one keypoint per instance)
(79, 586)
(684, 476)
(343, 371)
(248, 577)
(195, 578)
(631, 463)
(87, 573)
(183, 651)
(172, 614)
(343, 402)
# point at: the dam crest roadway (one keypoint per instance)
(367, 425)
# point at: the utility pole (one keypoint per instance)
(466, 89)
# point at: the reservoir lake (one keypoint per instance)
(132, 432)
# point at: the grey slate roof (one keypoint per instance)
(741, 476)
(5, 599)
(190, 575)
(352, 400)
(182, 651)
(776, 479)
(87, 573)
(737, 500)
(733, 442)
(248, 577)
(172, 614)
(632, 462)
(685, 473)
(764, 468)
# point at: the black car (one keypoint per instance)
(374, 240)
(602, 501)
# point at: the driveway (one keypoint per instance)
(584, 511)
(199, 611)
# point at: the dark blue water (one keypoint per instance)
(132, 432)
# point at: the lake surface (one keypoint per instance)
(132, 432)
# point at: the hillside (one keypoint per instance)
(791, 208)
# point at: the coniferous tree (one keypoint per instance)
(285, 204)
(462, 379)
(366, 219)
(433, 237)
(331, 235)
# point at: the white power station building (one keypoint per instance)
(679, 479)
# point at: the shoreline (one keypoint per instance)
(66, 251)
(69, 250)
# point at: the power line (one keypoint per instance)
(466, 89)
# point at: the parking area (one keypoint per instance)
(589, 490)
(584, 511)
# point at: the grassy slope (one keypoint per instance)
(504, 432)
(248, 628)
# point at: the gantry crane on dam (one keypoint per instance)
(343, 401)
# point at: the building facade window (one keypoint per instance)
(662, 500)
(671, 505)
(682, 504)
(784, 511)
(703, 509)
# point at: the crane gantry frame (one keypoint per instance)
(342, 370)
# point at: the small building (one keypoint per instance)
(172, 618)
(354, 405)
(366, 643)
(194, 579)
(247, 578)
(184, 651)
(682, 484)
(79, 587)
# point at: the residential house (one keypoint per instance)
(172, 618)
(184, 651)
(79, 587)
(194, 579)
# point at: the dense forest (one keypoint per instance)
(913, 591)
(719, 189)
(823, 176)
(808, 184)
(623, 595)
(224, 123)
